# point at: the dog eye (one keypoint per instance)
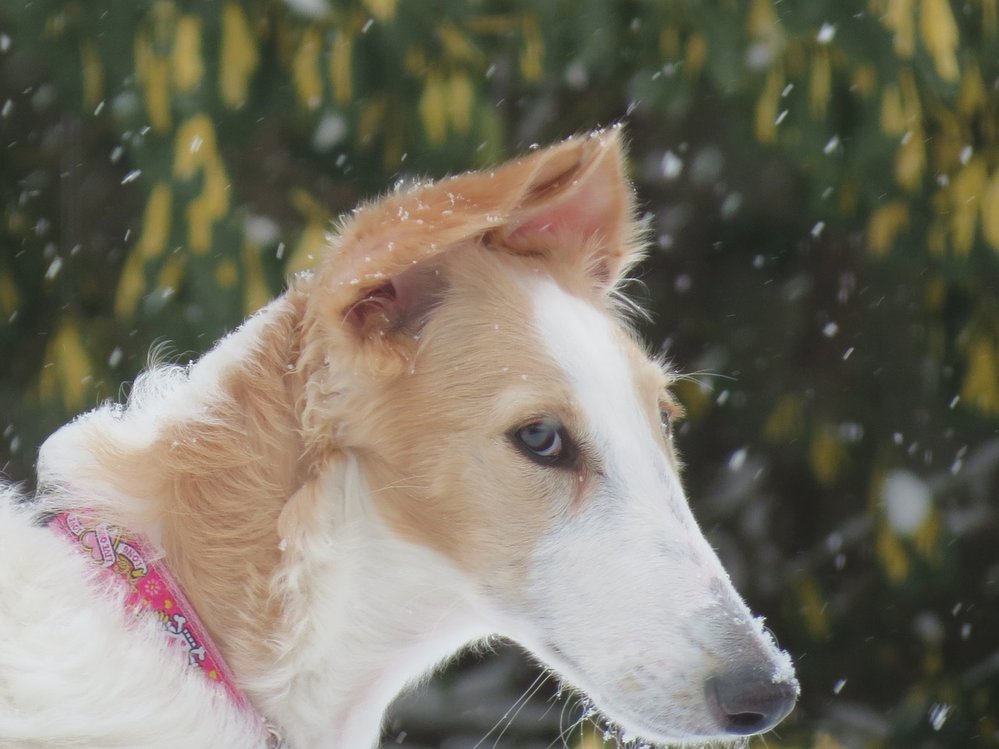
(666, 416)
(543, 441)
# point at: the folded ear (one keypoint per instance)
(571, 199)
(586, 208)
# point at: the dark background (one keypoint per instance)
(823, 182)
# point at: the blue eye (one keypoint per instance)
(543, 438)
(544, 441)
(667, 421)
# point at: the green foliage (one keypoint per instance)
(823, 181)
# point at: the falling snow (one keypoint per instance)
(938, 715)
(826, 33)
(672, 165)
(907, 501)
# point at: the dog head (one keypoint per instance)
(508, 419)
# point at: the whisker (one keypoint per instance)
(403, 484)
(571, 705)
(525, 698)
(695, 377)
(521, 700)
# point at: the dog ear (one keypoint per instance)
(381, 274)
(585, 208)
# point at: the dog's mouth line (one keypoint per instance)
(628, 728)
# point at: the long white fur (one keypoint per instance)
(377, 613)
(76, 673)
(641, 529)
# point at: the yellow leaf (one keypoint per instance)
(695, 397)
(196, 150)
(669, 42)
(10, 298)
(458, 47)
(67, 369)
(973, 96)
(309, 208)
(533, 52)
(340, 68)
(825, 741)
(226, 274)
(761, 20)
(910, 160)
(238, 58)
(305, 69)
(460, 98)
(172, 272)
(827, 456)
(371, 119)
(901, 109)
(940, 37)
(697, 53)
(766, 106)
(812, 607)
(786, 421)
(188, 66)
(990, 212)
(819, 83)
(433, 109)
(927, 536)
(936, 238)
(966, 191)
(415, 61)
(92, 70)
(256, 293)
(498, 24)
(153, 74)
(131, 285)
(935, 294)
(990, 18)
(949, 141)
(892, 554)
(980, 388)
(865, 80)
(312, 245)
(156, 222)
(892, 114)
(383, 10)
(900, 18)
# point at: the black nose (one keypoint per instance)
(748, 701)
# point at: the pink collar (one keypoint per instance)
(153, 590)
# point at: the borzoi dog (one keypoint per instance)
(446, 433)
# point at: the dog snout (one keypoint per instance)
(749, 700)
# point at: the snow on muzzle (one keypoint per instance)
(661, 642)
(752, 686)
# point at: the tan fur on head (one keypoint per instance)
(570, 203)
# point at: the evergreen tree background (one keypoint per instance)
(823, 181)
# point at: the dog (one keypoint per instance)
(447, 432)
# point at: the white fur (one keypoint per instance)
(657, 578)
(74, 672)
(376, 614)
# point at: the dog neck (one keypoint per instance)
(321, 612)
(366, 613)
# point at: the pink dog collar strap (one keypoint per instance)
(152, 589)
